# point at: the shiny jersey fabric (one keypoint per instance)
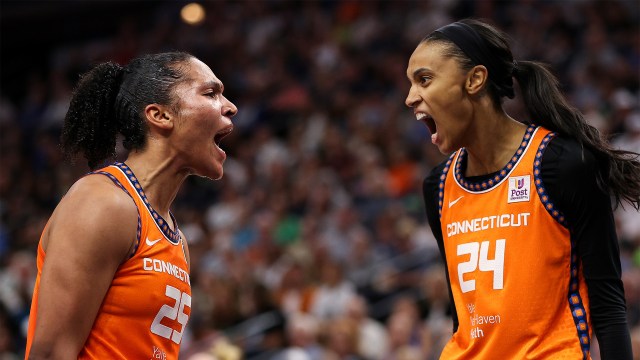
(514, 272)
(146, 308)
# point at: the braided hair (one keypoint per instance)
(110, 100)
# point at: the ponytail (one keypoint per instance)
(90, 126)
(110, 99)
(620, 171)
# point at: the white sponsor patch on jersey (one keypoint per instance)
(519, 189)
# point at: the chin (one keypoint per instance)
(445, 150)
(210, 177)
(216, 174)
(210, 172)
(448, 148)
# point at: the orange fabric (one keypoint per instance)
(145, 310)
(34, 302)
(510, 266)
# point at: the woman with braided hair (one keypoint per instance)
(521, 210)
(113, 267)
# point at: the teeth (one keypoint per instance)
(420, 116)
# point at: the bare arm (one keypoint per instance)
(89, 235)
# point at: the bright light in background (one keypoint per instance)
(192, 14)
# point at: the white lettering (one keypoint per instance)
(159, 354)
(482, 320)
(479, 258)
(166, 267)
(485, 226)
(487, 222)
(477, 333)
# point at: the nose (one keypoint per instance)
(229, 109)
(412, 98)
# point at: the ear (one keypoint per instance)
(477, 77)
(158, 116)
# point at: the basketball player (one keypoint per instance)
(521, 212)
(113, 267)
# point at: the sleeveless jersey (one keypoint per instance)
(146, 308)
(514, 271)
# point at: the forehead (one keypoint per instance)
(196, 73)
(429, 55)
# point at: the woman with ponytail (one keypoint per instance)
(521, 209)
(113, 266)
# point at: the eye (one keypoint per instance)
(212, 94)
(423, 80)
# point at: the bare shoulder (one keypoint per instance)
(95, 208)
(102, 199)
(97, 186)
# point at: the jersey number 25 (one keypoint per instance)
(172, 312)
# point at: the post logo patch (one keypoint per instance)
(519, 189)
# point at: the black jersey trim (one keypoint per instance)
(139, 230)
(172, 235)
(443, 177)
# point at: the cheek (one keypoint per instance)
(449, 102)
(200, 119)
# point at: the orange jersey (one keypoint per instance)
(514, 272)
(146, 308)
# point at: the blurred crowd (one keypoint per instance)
(314, 245)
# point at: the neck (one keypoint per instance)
(159, 178)
(496, 139)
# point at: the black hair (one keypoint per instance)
(110, 100)
(546, 105)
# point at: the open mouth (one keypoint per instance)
(221, 134)
(428, 120)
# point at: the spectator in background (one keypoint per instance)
(303, 333)
(372, 336)
(333, 291)
(406, 335)
(341, 339)
(435, 301)
(296, 292)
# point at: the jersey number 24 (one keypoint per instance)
(479, 260)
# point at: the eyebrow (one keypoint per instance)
(418, 71)
(215, 85)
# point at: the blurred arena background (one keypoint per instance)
(315, 243)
